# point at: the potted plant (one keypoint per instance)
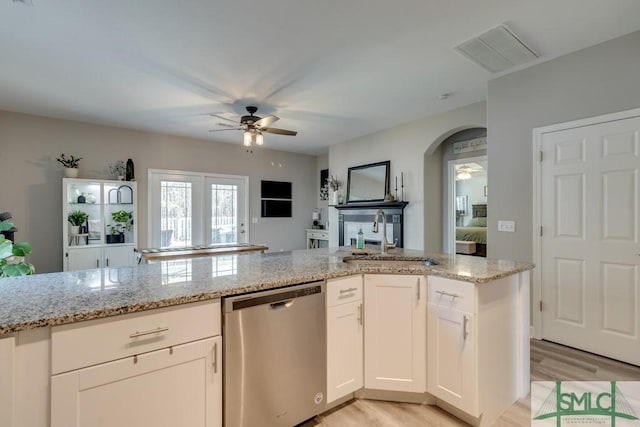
(71, 165)
(123, 222)
(76, 219)
(12, 255)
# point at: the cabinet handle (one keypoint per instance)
(360, 314)
(465, 333)
(215, 358)
(346, 291)
(418, 288)
(443, 293)
(107, 262)
(97, 263)
(157, 330)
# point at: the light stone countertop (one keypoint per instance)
(57, 298)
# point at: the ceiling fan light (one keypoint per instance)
(463, 175)
(259, 139)
(247, 139)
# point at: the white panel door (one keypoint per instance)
(590, 246)
(395, 333)
(179, 386)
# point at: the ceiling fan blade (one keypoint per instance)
(279, 131)
(218, 130)
(266, 121)
(223, 118)
(227, 125)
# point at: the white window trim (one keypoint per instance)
(151, 173)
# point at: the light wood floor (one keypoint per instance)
(549, 362)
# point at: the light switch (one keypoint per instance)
(254, 220)
(508, 226)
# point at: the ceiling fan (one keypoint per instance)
(464, 172)
(253, 127)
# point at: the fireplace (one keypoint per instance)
(355, 216)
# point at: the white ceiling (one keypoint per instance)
(331, 69)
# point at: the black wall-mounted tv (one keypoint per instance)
(275, 190)
(276, 208)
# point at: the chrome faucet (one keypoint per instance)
(385, 244)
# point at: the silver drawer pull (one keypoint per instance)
(157, 330)
(443, 293)
(346, 291)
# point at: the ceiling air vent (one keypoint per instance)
(497, 50)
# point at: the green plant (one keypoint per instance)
(69, 162)
(123, 220)
(77, 218)
(12, 255)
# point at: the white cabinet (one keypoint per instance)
(395, 337)
(344, 337)
(451, 354)
(7, 375)
(475, 351)
(108, 235)
(176, 386)
(452, 371)
(161, 368)
(83, 259)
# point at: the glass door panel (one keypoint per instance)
(225, 210)
(176, 214)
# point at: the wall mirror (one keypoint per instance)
(368, 183)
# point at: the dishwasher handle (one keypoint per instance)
(277, 298)
(281, 304)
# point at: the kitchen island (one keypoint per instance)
(33, 306)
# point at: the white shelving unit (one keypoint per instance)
(95, 246)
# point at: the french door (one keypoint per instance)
(190, 209)
(590, 244)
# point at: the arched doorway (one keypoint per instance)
(439, 186)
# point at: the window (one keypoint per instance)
(190, 209)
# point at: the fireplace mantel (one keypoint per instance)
(364, 212)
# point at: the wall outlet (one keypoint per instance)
(508, 226)
(254, 220)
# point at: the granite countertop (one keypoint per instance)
(57, 298)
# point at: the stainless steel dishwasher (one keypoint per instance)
(275, 356)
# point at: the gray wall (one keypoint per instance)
(599, 80)
(31, 179)
(410, 148)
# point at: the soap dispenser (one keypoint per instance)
(360, 241)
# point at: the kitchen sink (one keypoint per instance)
(371, 261)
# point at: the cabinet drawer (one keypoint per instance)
(344, 290)
(88, 343)
(451, 293)
(322, 235)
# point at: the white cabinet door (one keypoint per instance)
(452, 369)
(344, 350)
(83, 259)
(395, 340)
(179, 386)
(119, 256)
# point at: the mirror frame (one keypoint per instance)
(386, 164)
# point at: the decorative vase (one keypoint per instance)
(335, 198)
(131, 176)
(74, 230)
(71, 172)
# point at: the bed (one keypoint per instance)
(472, 239)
